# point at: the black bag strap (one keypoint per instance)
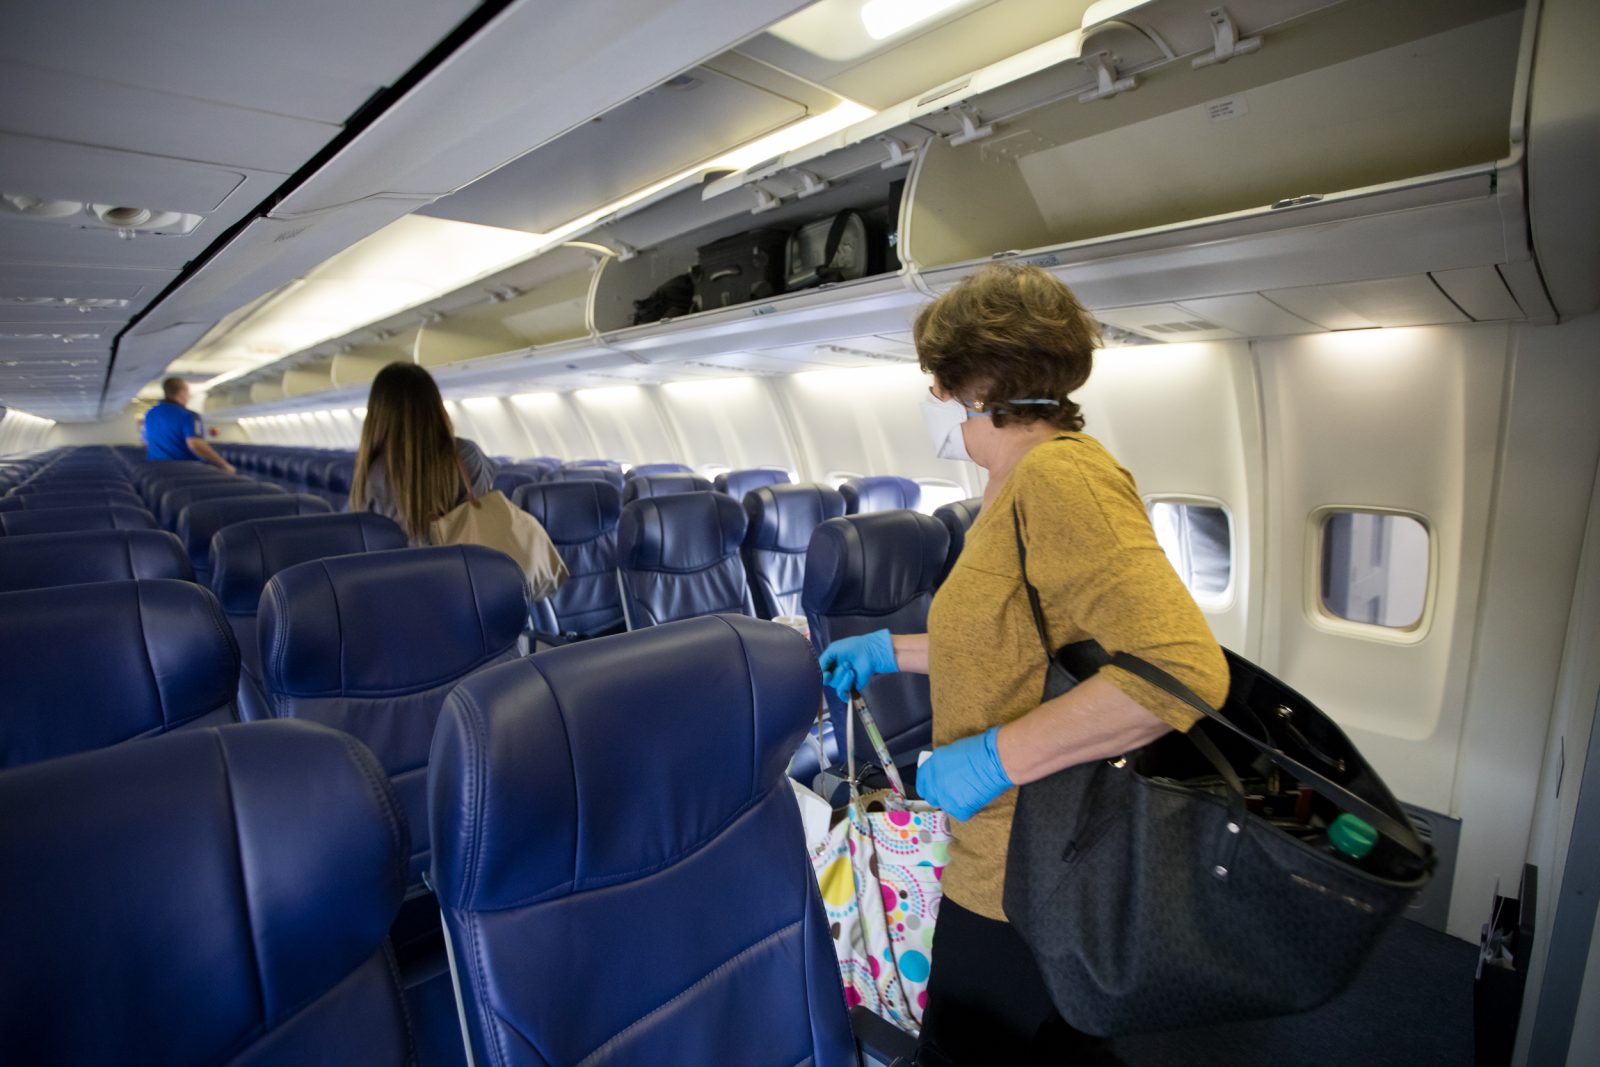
(1396, 830)
(835, 236)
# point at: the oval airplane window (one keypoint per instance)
(1374, 568)
(1198, 540)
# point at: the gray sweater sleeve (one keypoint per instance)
(479, 467)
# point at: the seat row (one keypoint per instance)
(604, 898)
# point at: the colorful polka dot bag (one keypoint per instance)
(879, 874)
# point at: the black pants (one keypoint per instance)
(988, 1005)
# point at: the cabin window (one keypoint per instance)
(936, 493)
(1198, 540)
(838, 478)
(1374, 568)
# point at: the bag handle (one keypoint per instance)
(1401, 834)
(869, 726)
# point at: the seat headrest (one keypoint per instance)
(586, 474)
(199, 522)
(245, 555)
(652, 485)
(386, 623)
(42, 561)
(782, 517)
(546, 753)
(682, 533)
(571, 512)
(873, 564)
(85, 666)
(646, 470)
(65, 520)
(175, 500)
(261, 864)
(581, 463)
(885, 492)
(737, 483)
(72, 499)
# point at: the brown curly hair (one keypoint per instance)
(1010, 332)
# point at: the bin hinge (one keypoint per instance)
(1225, 40)
(1104, 67)
(972, 127)
(810, 184)
(765, 201)
(899, 151)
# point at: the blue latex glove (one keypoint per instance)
(851, 662)
(961, 778)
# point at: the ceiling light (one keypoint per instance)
(38, 207)
(65, 338)
(82, 303)
(535, 398)
(885, 18)
(482, 403)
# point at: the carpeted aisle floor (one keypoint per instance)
(1410, 1007)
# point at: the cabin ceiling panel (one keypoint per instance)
(1412, 301)
(664, 131)
(915, 62)
(306, 58)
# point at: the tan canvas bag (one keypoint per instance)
(492, 521)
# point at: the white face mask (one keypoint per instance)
(944, 419)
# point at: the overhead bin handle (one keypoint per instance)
(1296, 201)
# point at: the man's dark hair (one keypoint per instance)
(171, 386)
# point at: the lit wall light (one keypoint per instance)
(885, 18)
(481, 403)
(361, 413)
(708, 387)
(853, 380)
(535, 399)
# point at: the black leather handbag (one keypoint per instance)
(1192, 881)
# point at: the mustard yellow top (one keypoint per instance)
(1100, 574)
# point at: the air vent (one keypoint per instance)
(1117, 337)
(1187, 326)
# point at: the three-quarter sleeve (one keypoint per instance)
(480, 469)
(1094, 558)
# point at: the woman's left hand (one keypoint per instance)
(961, 778)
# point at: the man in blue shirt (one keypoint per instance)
(172, 431)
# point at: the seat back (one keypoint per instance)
(582, 845)
(509, 479)
(887, 492)
(738, 483)
(86, 666)
(647, 470)
(781, 521)
(870, 572)
(72, 499)
(678, 557)
(71, 520)
(958, 518)
(199, 522)
(245, 556)
(581, 519)
(371, 644)
(645, 486)
(47, 560)
(174, 501)
(586, 474)
(216, 897)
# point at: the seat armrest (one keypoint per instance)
(881, 1039)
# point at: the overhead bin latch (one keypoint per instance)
(1225, 40)
(765, 200)
(810, 184)
(899, 151)
(1104, 67)
(972, 126)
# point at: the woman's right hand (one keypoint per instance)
(851, 662)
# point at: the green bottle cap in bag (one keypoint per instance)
(1351, 836)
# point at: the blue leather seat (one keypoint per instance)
(70, 520)
(174, 501)
(216, 898)
(620, 862)
(782, 518)
(340, 475)
(870, 572)
(738, 483)
(88, 498)
(647, 470)
(581, 519)
(45, 560)
(646, 486)
(199, 522)
(958, 518)
(508, 479)
(678, 557)
(245, 556)
(886, 492)
(373, 643)
(86, 666)
(609, 464)
(586, 474)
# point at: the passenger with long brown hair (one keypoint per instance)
(410, 466)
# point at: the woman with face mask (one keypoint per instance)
(1006, 348)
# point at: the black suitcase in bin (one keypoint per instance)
(738, 269)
